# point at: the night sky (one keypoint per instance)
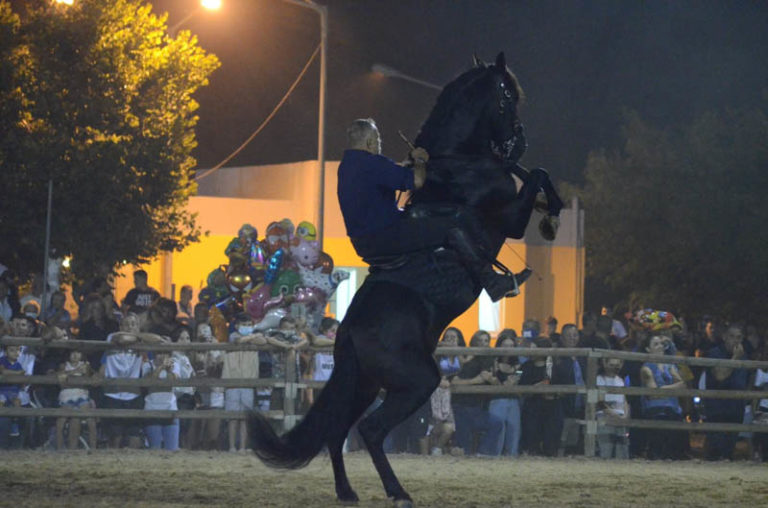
(582, 64)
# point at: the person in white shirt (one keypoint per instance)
(612, 441)
(161, 433)
(125, 363)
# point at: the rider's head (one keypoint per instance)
(364, 135)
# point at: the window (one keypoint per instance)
(488, 313)
(345, 292)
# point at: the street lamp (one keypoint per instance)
(389, 72)
(210, 5)
(322, 11)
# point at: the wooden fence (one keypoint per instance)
(288, 414)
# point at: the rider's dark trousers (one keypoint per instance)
(411, 235)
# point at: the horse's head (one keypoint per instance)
(476, 115)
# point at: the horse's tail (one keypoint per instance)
(300, 445)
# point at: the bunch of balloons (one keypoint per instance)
(284, 273)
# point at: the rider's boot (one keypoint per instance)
(497, 285)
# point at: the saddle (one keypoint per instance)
(393, 262)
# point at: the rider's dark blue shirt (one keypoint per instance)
(366, 190)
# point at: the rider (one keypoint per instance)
(376, 227)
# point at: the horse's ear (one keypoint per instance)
(501, 61)
(477, 62)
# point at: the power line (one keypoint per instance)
(266, 120)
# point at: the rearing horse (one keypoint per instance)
(391, 329)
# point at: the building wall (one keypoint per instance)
(260, 195)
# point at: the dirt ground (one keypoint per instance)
(144, 478)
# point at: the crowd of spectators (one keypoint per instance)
(143, 317)
(493, 424)
(549, 424)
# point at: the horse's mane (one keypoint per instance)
(454, 115)
(434, 128)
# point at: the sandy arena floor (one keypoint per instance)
(143, 478)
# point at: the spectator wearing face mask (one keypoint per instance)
(321, 362)
(241, 364)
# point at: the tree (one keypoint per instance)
(677, 219)
(98, 98)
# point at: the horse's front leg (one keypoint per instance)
(517, 212)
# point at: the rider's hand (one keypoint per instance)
(419, 155)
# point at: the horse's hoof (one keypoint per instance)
(348, 499)
(403, 503)
(548, 227)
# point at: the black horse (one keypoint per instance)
(391, 329)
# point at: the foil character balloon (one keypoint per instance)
(239, 280)
(273, 266)
(326, 263)
(238, 250)
(305, 231)
(218, 324)
(271, 319)
(217, 289)
(277, 236)
(286, 283)
(260, 301)
(305, 252)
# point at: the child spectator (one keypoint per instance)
(185, 395)
(209, 364)
(9, 393)
(289, 338)
(124, 363)
(442, 421)
(27, 357)
(74, 397)
(612, 441)
(241, 364)
(321, 362)
(161, 433)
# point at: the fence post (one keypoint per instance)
(590, 409)
(290, 393)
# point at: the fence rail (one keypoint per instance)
(593, 393)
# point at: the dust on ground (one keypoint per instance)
(109, 478)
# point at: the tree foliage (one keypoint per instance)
(97, 97)
(678, 218)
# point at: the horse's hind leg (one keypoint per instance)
(363, 398)
(399, 404)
